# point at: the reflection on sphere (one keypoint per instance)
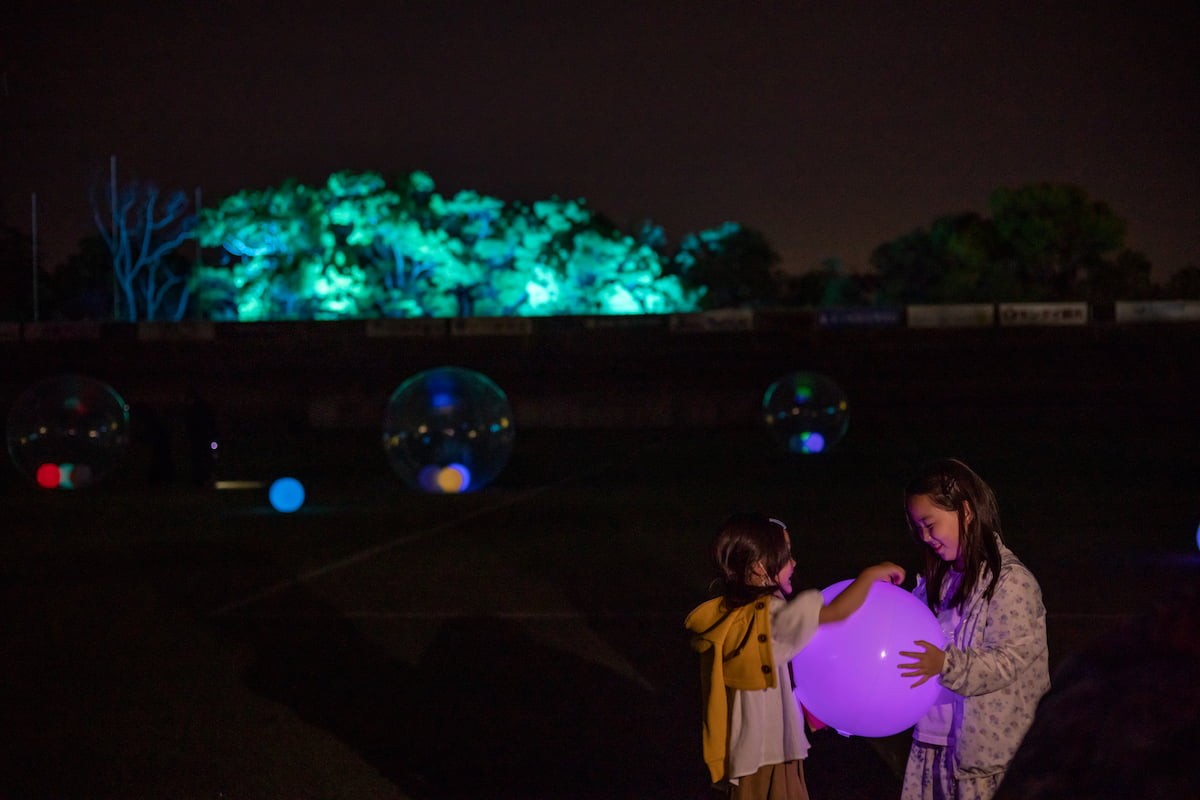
(68, 431)
(805, 412)
(448, 430)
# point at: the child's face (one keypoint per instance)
(785, 574)
(783, 580)
(937, 527)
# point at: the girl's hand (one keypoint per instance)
(853, 596)
(928, 663)
(885, 571)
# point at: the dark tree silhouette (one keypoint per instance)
(1054, 233)
(1184, 284)
(81, 287)
(734, 264)
(16, 275)
(1042, 242)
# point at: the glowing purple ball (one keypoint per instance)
(847, 677)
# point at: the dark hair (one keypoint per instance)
(745, 539)
(951, 485)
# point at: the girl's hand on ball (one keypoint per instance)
(885, 571)
(929, 662)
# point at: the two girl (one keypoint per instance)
(993, 670)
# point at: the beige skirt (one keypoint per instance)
(772, 782)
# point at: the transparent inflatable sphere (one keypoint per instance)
(806, 412)
(448, 430)
(68, 431)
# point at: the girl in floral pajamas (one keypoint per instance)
(994, 669)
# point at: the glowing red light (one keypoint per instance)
(48, 476)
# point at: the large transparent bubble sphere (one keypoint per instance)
(68, 431)
(806, 412)
(448, 430)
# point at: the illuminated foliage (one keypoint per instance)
(357, 247)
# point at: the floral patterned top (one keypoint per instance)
(997, 660)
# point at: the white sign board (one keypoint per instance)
(957, 315)
(184, 331)
(721, 320)
(624, 322)
(61, 331)
(491, 326)
(1043, 313)
(1158, 311)
(404, 328)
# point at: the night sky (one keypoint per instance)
(830, 127)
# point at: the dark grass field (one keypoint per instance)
(525, 641)
(520, 642)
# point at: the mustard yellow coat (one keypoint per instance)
(743, 638)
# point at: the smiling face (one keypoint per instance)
(938, 527)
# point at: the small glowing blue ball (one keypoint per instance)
(286, 495)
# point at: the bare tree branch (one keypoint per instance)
(141, 234)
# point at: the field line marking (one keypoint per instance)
(517, 615)
(371, 552)
(570, 614)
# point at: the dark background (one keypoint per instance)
(829, 127)
(525, 641)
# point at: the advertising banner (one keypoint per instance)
(951, 315)
(1043, 313)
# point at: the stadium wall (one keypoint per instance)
(655, 371)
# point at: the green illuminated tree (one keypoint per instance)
(407, 257)
(357, 247)
(288, 259)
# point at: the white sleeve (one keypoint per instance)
(794, 622)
